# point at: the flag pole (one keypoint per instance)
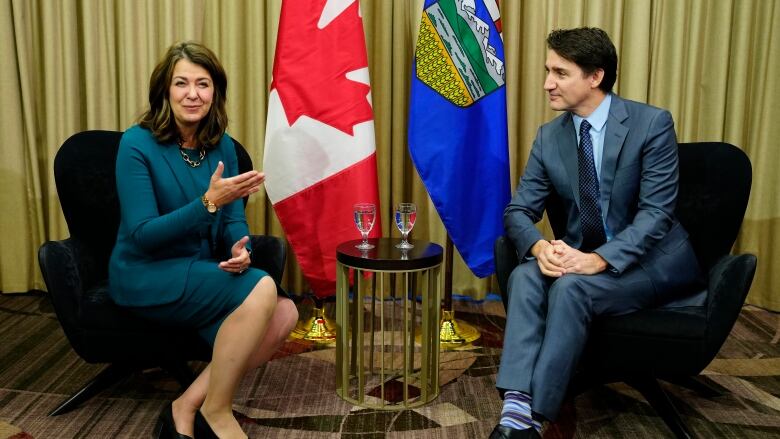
(453, 333)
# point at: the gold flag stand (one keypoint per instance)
(453, 333)
(317, 328)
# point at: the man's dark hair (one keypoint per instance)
(588, 47)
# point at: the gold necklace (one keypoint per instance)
(187, 158)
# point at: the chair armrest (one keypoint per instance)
(729, 283)
(269, 253)
(506, 260)
(68, 269)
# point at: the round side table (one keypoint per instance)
(379, 364)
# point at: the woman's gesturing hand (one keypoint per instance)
(223, 191)
(240, 257)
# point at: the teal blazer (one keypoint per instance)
(164, 226)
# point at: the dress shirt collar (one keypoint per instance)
(598, 118)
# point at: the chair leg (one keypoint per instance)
(703, 389)
(181, 371)
(659, 400)
(579, 384)
(107, 377)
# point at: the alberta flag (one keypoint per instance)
(320, 155)
(457, 123)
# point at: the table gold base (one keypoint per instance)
(387, 346)
(318, 328)
(455, 333)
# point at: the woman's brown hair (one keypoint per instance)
(159, 118)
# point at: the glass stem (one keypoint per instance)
(365, 237)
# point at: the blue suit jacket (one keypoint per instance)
(164, 226)
(639, 181)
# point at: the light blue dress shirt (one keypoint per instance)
(598, 124)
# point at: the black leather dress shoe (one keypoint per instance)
(166, 426)
(202, 428)
(502, 432)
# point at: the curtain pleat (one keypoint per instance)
(74, 65)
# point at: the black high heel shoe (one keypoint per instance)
(166, 428)
(202, 428)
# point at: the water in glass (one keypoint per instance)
(405, 216)
(364, 214)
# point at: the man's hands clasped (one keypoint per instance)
(556, 258)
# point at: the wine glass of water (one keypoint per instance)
(405, 215)
(365, 214)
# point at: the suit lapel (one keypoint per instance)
(215, 155)
(567, 148)
(173, 157)
(614, 138)
(185, 183)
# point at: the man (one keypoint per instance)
(613, 165)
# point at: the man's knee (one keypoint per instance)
(526, 284)
(572, 289)
(525, 274)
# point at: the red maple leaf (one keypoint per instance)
(311, 64)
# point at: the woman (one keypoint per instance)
(181, 199)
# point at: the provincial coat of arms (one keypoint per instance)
(453, 54)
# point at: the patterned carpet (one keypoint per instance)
(293, 396)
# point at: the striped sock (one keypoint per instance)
(517, 411)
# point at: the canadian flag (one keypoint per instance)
(320, 154)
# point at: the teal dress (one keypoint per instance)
(164, 266)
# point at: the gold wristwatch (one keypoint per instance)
(210, 207)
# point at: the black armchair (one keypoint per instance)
(673, 343)
(76, 273)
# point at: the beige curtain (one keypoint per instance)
(73, 65)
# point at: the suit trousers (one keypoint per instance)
(547, 326)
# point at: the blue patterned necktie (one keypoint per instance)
(590, 208)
